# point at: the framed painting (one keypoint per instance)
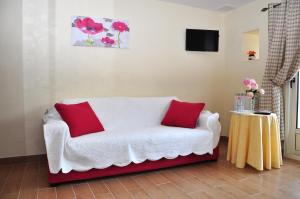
(100, 32)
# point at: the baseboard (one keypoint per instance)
(23, 159)
(224, 139)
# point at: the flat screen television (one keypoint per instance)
(202, 40)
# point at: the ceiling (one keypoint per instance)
(216, 5)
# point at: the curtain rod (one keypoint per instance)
(274, 6)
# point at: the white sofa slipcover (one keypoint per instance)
(132, 134)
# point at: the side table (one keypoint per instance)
(254, 139)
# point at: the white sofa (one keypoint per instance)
(133, 133)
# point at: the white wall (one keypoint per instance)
(156, 63)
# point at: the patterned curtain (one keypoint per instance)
(283, 56)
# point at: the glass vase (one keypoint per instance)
(239, 102)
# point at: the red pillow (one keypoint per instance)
(80, 118)
(183, 114)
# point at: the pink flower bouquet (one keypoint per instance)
(252, 88)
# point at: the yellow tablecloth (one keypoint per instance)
(255, 140)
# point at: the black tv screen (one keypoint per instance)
(202, 40)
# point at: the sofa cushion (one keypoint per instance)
(183, 114)
(80, 118)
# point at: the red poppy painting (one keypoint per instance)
(99, 32)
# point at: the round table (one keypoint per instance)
(254, 139)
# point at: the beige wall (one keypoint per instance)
(244, 19)
(51, 69)
(36, 69)
(39, 66)
(250, 42)
(12, 131)
(155, 64)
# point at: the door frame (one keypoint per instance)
(291, 107)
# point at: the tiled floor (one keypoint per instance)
(204, 180)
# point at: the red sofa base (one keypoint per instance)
(131, 168)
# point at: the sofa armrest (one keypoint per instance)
(211, 122)
(56, 134)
